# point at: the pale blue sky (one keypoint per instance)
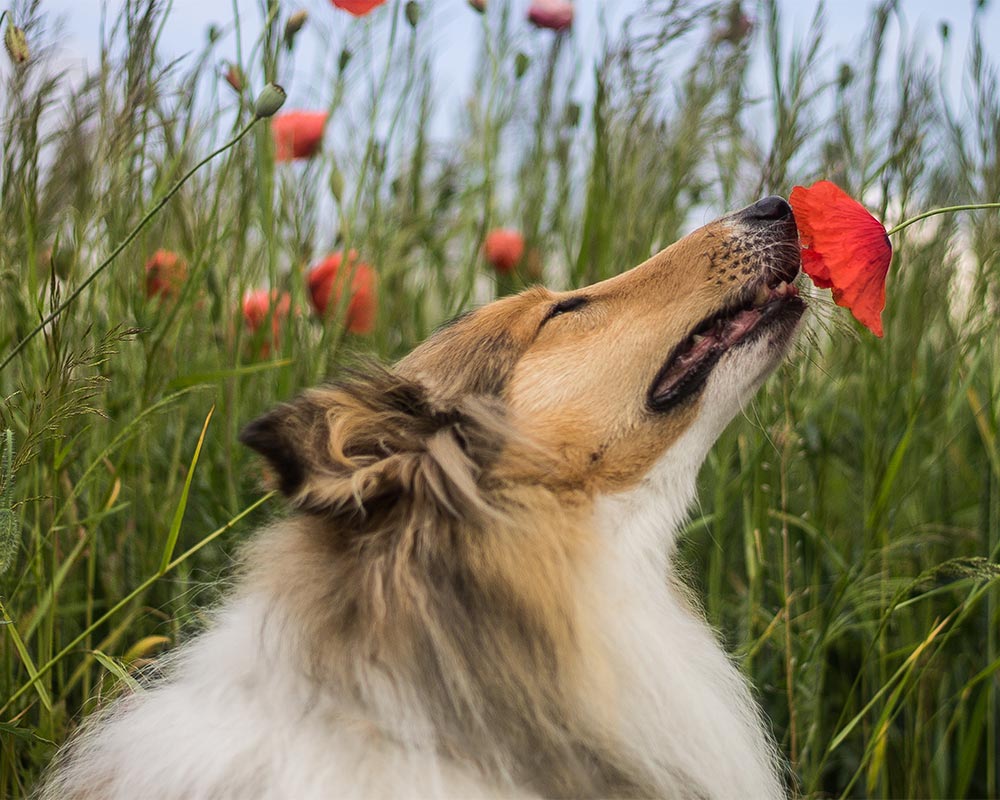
(455, 30)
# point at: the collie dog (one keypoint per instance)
(473, 596)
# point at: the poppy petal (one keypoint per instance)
(298, 134)
(556, 15)
(844, 248)
(325, 282)
(503, 249)
(357, 7)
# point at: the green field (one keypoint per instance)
(848, 532)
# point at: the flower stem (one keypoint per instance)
(124, 243)
(935, 211)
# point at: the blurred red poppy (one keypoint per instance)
(844, 248)
(326, 281)
(256, 307)
(165, 274)
(503, 249)
(357, 7)
(298, 134)
(556, 15)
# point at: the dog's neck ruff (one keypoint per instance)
(683, 703)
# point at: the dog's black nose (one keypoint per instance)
(770, 209)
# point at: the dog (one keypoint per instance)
(473, 596)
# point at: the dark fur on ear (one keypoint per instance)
(375, 439)
(275, 436)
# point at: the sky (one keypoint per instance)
(455, 29)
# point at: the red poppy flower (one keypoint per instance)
(503, 248)
(357, 7)
(165, 274)
(256, 307)
(556, 15)
(844, 248)
(298, 134)
(326, 281)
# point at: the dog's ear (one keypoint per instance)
(287, 436)
(377, 442)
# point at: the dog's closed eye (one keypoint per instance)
(565, 306)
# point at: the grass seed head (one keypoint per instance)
(295, 24)
(16, 42)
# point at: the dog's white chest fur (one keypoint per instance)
(683, 702)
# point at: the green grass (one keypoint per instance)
(848, 532)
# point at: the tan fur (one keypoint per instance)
(572, 384)
(502, 558)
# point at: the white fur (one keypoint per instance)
(682, 698)
(237, 717)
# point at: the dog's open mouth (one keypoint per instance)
(775, 301)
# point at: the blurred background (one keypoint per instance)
(431, 156)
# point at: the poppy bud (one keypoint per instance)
(271, 98)
(16, 42)
(379, 156)
(234, 77)
(336, 183)
(521, 64)
(345, 59)
(844, 76)
(294, 24)
(573, 115)
(944, 29)
(478, 5)
(412, 11)
(213, 34)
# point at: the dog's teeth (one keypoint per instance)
(698, 337)
(763, 293)
(781, 289)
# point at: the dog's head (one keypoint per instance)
(580, 391)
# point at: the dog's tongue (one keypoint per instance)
(709, 345)
(737, 327)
